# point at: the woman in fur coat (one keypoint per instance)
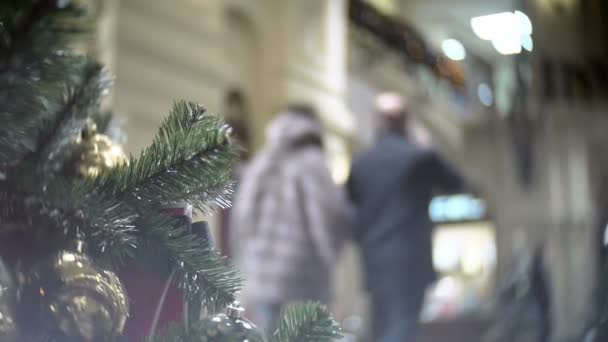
(289, 218)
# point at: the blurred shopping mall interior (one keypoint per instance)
(512, 92)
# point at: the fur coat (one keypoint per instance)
(289, 218)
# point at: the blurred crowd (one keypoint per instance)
(290, 220)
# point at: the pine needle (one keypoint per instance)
(306, 322)
(203, 272)
(189, 160)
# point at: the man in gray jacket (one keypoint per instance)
(391, 186)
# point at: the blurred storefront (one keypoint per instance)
(464, 255)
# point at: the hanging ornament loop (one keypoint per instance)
(235, 310)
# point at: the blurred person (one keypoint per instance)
(289, 218)
(391, 186)
(236, 112)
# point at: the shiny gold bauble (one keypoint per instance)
(96, 153)
(76, 299)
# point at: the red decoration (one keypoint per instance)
(145, 289)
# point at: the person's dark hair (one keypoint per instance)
(309, 112)
(304, 110)
(235, 96)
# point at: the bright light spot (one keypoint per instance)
(489, 26)
(456, 208)
(508, 31)
(453, 49)
(507, 45)
(68, 257)
(389, 103)
(472, 262)
(446, 287)
(527, 43)
(525, 25)
(484, 92)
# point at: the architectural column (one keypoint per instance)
(315, 62)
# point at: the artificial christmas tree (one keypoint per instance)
(67, 229)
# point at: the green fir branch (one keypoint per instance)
(36, 67)
(201, 331)
(189, 160)
(18, 19)
(33, 29)
(79, 103)
(102, 120)
(31, 98)
(306, 322)
(62, 211)
(202, 272)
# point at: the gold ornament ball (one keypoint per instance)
(96, 153)
(77, 299)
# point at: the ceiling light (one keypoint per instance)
(453, 49)
(508, 31)
(507, 45)
(489, 26)
(525, 25)
(526, 42)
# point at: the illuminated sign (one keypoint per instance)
(457, 208)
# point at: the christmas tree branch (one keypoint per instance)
(79, 103)
(200, 332)
(190, 160)
(306, 322)
(300, 323)
(65, 211)
(31, 14)
(33, 28)
(31, 98)
(36, 67)
(202, 271)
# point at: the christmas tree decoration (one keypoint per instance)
(95, 153)
(403, 38)
(74, 298)
(230, 326)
